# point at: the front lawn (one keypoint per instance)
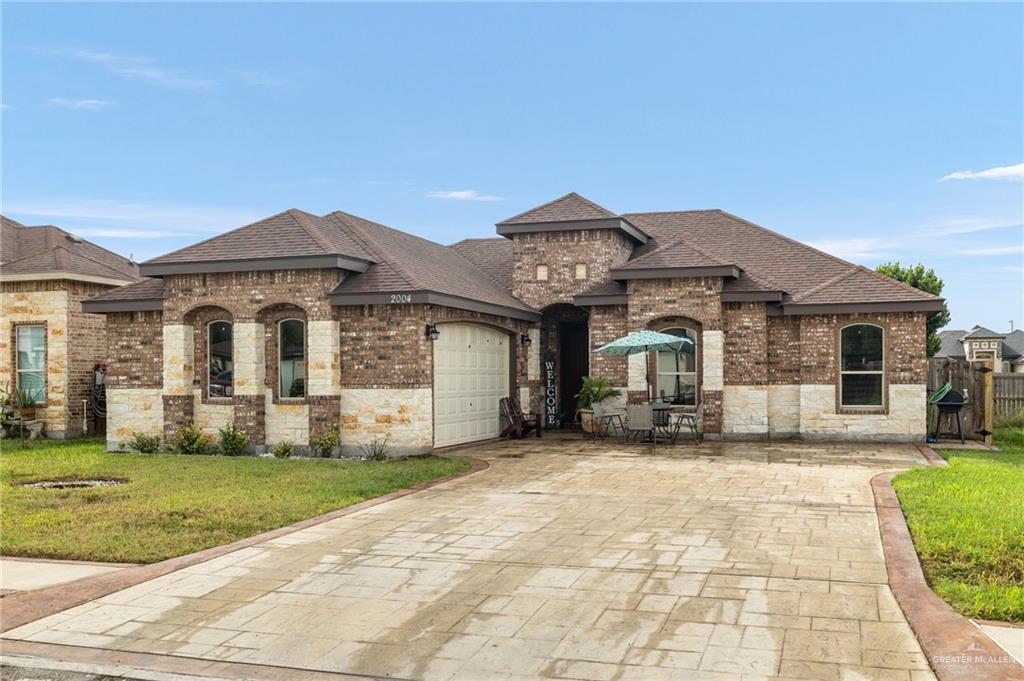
(172, 505)
(968, 527)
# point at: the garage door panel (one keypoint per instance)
(471, 366)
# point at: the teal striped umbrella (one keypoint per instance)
(644, 341)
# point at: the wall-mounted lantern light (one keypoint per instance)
(527, 341)
(432, 332)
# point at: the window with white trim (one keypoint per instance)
(31, 362)
(676, 380)
(291, 358)
(220, 350)
(862, 365)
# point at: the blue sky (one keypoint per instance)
(145, 127)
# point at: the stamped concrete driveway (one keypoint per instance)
(565, 559)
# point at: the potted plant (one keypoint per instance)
(594, 391)
(25, 403)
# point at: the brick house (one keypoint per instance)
(48, 345)
(299, 323)
(1004, 350)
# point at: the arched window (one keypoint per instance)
(219, 343)
(291, 358)
(861, 365)
(677, 371)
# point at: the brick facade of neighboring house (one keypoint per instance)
(767, 316)
(45, 275)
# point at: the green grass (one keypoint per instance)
(172, 505)
(968, 527)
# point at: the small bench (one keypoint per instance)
(519, 422)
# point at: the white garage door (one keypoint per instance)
(470, 376)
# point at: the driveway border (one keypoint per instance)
(28, 606)
(956, 649)
(121, 663)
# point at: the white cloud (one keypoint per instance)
(139, 68)
(1014, 172)
(133, 216)
(993, 250)
(464, 195)
(969, 225)
(83, 104)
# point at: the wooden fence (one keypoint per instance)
(963, 375)
(1008, 394)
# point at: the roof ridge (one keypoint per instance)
(834, 258)
(217, 236)
(686, 242)
(825, 284)
(554, 201)
(103, 264)
(478, 268)
(302, 220)
(360, 235)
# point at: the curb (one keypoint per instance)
(28, 606)
(933, 458)
(955, 648)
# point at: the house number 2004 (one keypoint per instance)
(401, 297)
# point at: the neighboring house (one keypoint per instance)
(1006, 350)
(48, 345)
(299, 323)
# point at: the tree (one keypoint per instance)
(924, 280)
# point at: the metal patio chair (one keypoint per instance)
(691, 421)
(605, 419)
(640, 419)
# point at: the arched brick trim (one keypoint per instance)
(675, 322)
(271, 317)
(200, 318)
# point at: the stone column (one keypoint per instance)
(249, 369)
(712, 365)
(323, 375)
(178, 352)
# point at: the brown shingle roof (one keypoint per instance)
(292, 233)
(677, 253)
(567, 208)
(47, 249)
(772, 259)
(492, 256)
(404, 262)
(144, 289)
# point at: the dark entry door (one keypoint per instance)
(575, 360)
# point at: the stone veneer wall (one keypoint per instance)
(903, 416)
(135, 359)
(86, 348)
(659, 303)
(45, 303)
(387, 367)
(600, 249)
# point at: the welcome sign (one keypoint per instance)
(550, 395)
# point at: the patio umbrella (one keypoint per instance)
(644, 341)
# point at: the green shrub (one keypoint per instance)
(324, 443)
(232, 441)
(1011, 421)
(283, 450)
(377, 450)
(191, 440)
(143, 443)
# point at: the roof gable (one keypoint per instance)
(294, 237)
(47, 251)
(982, 332)
(568, 208)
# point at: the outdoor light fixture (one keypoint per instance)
(432, 332)
(527, 341)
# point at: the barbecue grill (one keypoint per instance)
(951, 402)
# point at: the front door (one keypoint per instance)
(575, 359)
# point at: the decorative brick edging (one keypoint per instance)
(29, 606)
(929, 453)
(956, 649)
(117, 662)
